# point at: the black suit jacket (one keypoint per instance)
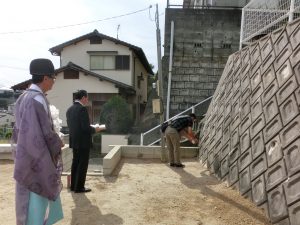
(80, 130)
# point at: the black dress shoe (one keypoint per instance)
(83, 190)
(172, 164)
(179, 165)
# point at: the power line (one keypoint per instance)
(73, 25)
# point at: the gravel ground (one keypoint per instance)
(146, 192)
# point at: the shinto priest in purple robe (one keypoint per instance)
(38, 164)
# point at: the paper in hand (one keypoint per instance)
(102, 126)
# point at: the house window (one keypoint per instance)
(102, 62)
(95, 40)
(71, 74)
(122, 62)
(109, 62)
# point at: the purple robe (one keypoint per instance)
(38, 164)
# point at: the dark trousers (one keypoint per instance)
(79, 168)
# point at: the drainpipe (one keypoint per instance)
(291, 13)
(170, 70)
(242, 29)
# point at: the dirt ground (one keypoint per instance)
(145, 192)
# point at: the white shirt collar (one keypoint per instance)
(35, 87)
(79, 102)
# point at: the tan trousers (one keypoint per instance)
(173, 144)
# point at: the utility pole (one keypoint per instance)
(159, 86)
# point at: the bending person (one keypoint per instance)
(180, 126)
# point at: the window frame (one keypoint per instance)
(120, 62)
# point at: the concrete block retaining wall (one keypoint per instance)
(67, 157)
(111, 160)
(154, 152)
(6, 153)
(203, 40)
(251, 135)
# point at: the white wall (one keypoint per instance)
(142, 91)
(61, 95)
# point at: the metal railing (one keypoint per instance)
(261, 17)
(158, 126)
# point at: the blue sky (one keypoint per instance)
(19, 47)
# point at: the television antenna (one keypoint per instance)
(118, 31)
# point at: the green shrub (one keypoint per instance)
(117, 116)
(8, 134)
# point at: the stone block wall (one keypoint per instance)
(251, 135)
(203, 40)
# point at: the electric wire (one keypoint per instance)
(73, 25)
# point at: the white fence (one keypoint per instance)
(261, 17)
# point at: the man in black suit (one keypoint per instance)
(80, 140)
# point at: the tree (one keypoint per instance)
(117, 116)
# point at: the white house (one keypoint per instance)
(6, 119)
(100, 89)
(102, 65)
